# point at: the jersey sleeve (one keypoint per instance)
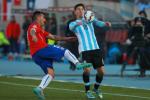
(34, 27)
(99, 23)
(72, 26)
(46, 33)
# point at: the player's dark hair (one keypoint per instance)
(35, 14)
(77, 5)
(143, 12)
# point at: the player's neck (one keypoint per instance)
(79, 17)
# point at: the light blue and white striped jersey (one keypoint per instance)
(85, 33)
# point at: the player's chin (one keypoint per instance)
(81, 14)
(44, 22)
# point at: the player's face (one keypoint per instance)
(42, 20)
(142, 15)
(79, 12)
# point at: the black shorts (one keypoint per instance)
(94, 57)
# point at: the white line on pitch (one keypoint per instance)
(117, 86)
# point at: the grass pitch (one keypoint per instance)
(21, 89)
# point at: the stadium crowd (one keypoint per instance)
(132, 41)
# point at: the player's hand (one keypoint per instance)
(108, 24)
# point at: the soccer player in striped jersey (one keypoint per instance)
(44, 54)
(88, 48)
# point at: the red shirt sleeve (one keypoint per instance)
(46, 33)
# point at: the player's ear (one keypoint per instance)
(44, 20)
(38, 17)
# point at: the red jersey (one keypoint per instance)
(41, 38)
(13, 30)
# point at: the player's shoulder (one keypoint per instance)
(33, 26)
(72, 21)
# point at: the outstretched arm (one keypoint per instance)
(60, 38)
(101, 23)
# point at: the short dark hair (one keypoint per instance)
(143, 12)
(77, 5)
(35, 14)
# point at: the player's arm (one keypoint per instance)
(32, 33)
(60, 38)
(101, 23)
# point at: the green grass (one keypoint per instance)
(21, 89)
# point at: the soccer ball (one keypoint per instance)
(89, 16)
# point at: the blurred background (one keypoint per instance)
(126, 45)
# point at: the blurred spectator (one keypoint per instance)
(69, 17)
(4, 44)
(136, 34)
(135, 40)
(27, 21)
(63, 25)
(30, 4)
(48, 25)
(138, 40)
(146, 23)
(53, 24)
(144, 61)
(64, 20)
(13, 35)
(51, 27)
(114, 54)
